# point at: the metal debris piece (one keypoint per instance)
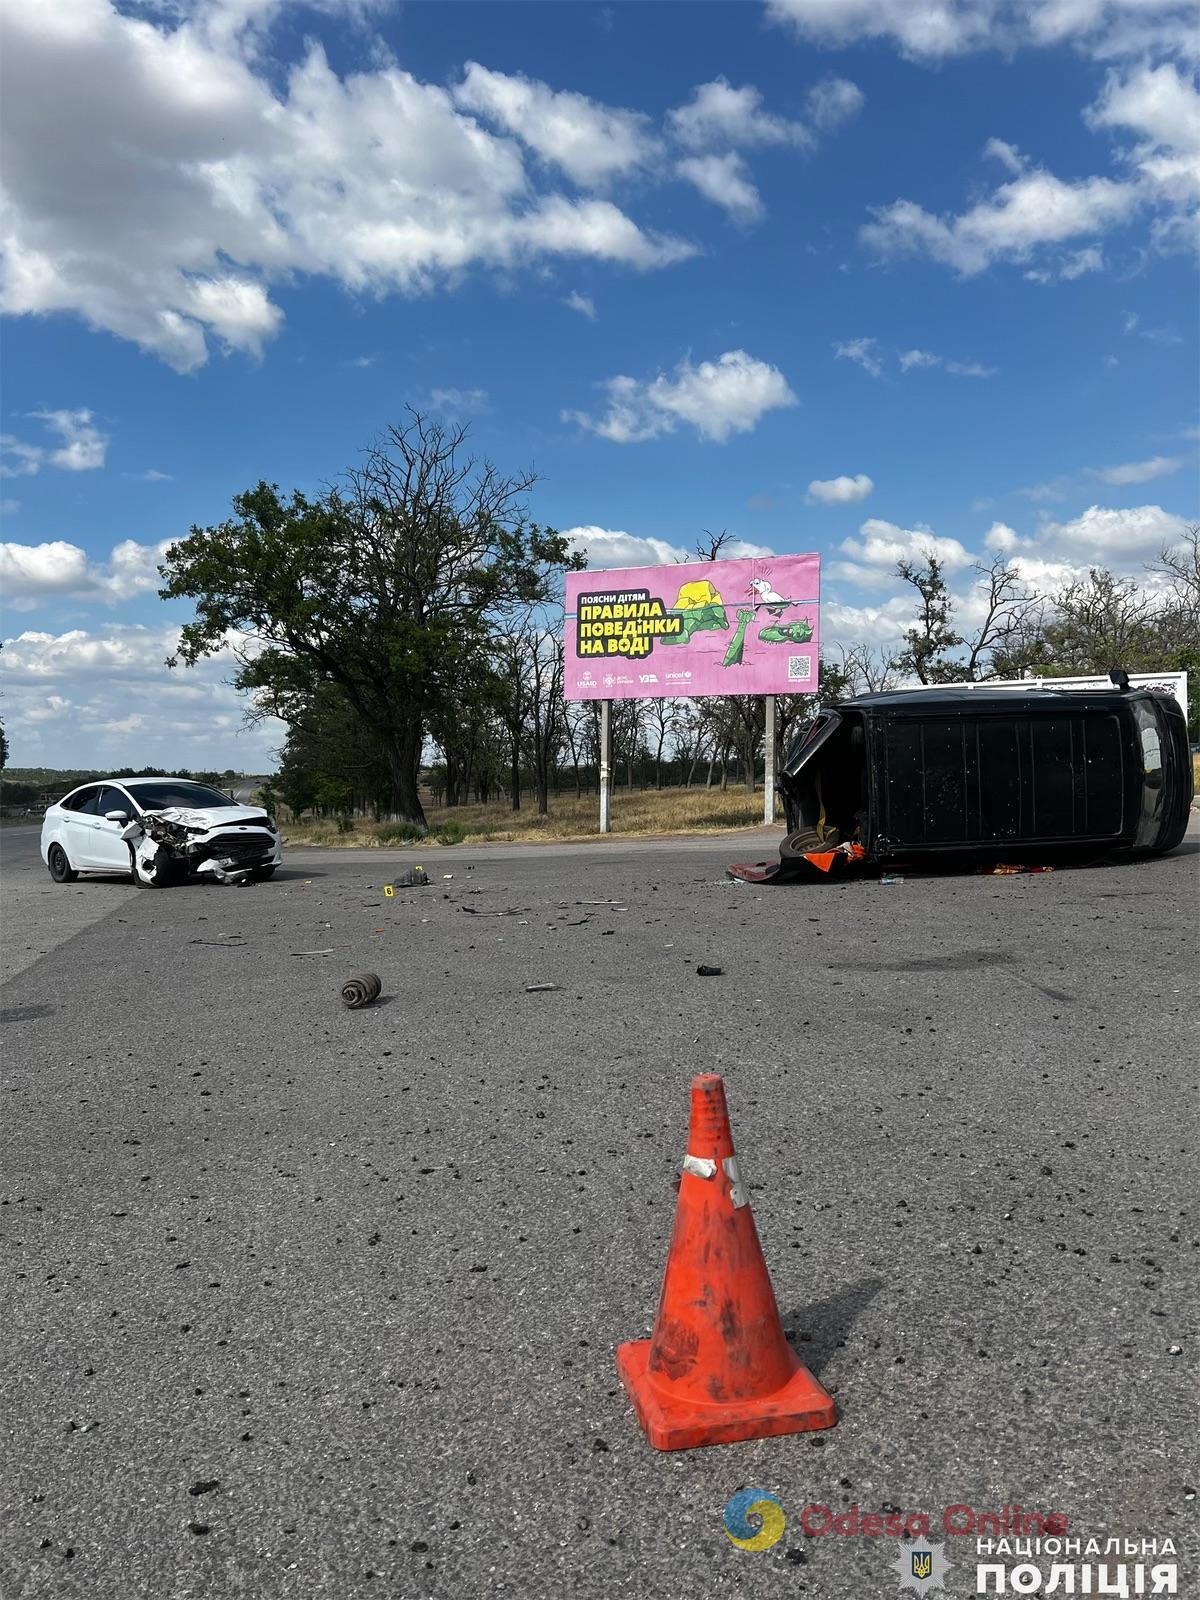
(709, 972)
(541, 988)
(360, 991)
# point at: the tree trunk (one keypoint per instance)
(403, 749)
(516, 775)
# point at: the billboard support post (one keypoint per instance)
(605, 764)
(769, 759)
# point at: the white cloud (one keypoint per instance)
(841, 491)
(1035, 209)
(609, 547)
(717, 398)
(1066, 268)
(1002, 539)
(106, 699)
(81, 447)
(1030, 217)
(459, 400)
(1116, 533)
(725, 180)
(1164, 334)
(1139, 471)
(960, 369)
(881, 545)
(33, 574)
(1160, 106)
(834, 101)
(583, 303)
(932, 28)
(719, 114)
(865, 624)
(159, 176)
(1053, 489)
(864, 352)
(591, 143)
(929, 30)
(918, 358)
(19, 460)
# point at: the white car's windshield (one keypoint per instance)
(176, 792)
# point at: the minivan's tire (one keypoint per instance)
(61, 869)
(799, 843)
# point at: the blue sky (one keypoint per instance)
(864, 278)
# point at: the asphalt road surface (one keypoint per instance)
(317, 1303)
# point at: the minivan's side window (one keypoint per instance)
(85, 801)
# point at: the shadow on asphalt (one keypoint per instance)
(820, 1329)
(25, 1013)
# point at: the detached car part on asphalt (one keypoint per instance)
(1000, 774)
(160, 831)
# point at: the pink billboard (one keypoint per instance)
(702, 628)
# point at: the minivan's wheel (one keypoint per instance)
(799, 843)
(61, 869)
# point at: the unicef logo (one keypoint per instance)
(754, 1520)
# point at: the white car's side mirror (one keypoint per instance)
(116, 816)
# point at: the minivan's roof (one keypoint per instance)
(920, 702)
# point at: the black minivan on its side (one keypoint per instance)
(1006, 773)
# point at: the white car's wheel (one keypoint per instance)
(61, 869)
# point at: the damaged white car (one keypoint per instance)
(159, 831)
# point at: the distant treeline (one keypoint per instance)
(24, 787)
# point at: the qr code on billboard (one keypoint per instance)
(799, 669)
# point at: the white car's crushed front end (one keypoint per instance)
(230, 843)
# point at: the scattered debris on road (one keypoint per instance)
(361, 991)
(409, 878)
(709, 972)
(541, 988)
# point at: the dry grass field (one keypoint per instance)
(637, 811)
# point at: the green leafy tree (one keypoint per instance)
(929, 641)
(387, 586)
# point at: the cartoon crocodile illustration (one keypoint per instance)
(786, 633)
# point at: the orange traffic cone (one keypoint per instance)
(717, 1367)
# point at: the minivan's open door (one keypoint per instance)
(824, 784)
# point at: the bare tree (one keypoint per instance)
(1008, 605)
(867, 669)
(709, 545)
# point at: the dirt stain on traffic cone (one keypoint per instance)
(717, 1367)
